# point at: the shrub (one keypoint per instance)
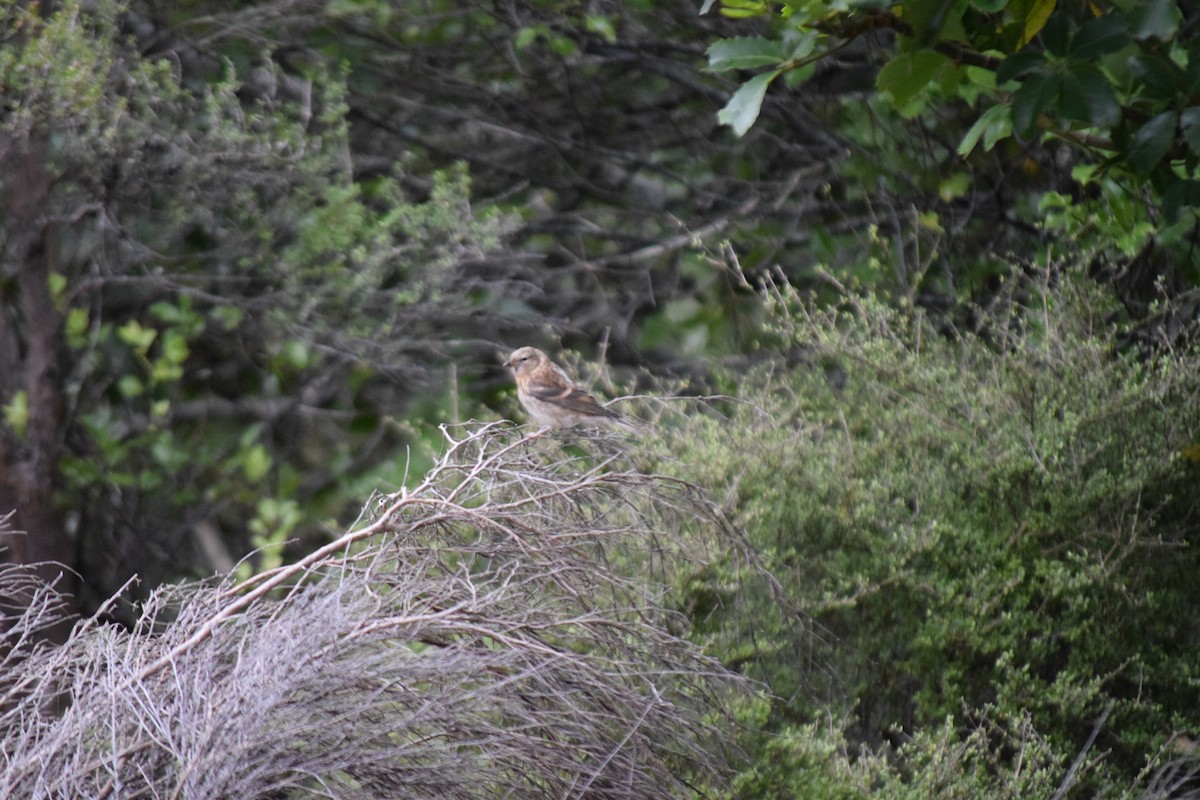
(495, 631)
(984, 521)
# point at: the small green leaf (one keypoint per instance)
(256, 462)
(741, 9)
(908, 74)
(174, 347)
(130, 386)
(1154, 19)
(525, 37)
(228, 317)
(751, 52)
(742, 109)
(954, 187)
(16, 413)
(992, 126)
(1152, 141)
(76, 327)
(602, 26)
(58, 286)
(133, 334)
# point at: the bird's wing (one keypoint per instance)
(571, 398)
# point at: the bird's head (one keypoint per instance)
(526, 358)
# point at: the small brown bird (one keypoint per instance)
(551, 398)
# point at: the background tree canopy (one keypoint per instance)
(914, 285)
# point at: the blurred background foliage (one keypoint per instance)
(939, 284)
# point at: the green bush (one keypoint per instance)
(972, 523)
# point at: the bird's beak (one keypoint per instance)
(509, 363)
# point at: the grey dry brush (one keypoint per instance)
(499, 630)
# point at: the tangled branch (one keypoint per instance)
(499, 630)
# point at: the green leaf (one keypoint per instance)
(741, 9)
(1033, 18)
(1100, 36)
(1056, 35)
(1018, 66)
(130, 386)
(601, 25)
(1154, 19)
(133, 334)
(16, 413)
(525, 37)
(908, 73)
(1189, 123)
(256, 462)
(1181, 194)
(992, 126)
(1035, 95)
(751, 52)
(742, 109)
(174, 347)
(76, 327)
(1152, 141)
(954, 187)
(1156, 74)
(58, 286)
(1087, 95)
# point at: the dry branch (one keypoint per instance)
(499, 630)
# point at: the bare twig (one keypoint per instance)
(498, 630)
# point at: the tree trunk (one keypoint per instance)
(33, 362)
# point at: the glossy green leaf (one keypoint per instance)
(1035, 96)
(1100, 36)
(1152, 141)
(1154, 19)
(742, 109)
(1056, 35)
(1032, 16)
(1157, 77)
(1087, 95)
(750, 52)
(1018, 66)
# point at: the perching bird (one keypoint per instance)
(551, 398)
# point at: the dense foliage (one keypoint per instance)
(992, 526)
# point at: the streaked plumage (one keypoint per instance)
(551, 398)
